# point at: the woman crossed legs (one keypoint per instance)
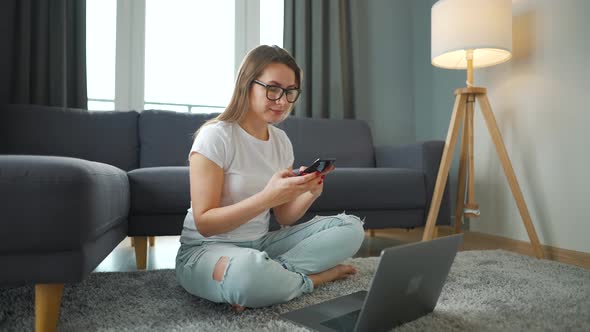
(275, 268)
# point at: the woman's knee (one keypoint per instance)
(355, 225)
(246, 278)
(246, 266)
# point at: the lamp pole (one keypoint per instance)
(469, 57)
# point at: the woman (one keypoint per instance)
(240, 168)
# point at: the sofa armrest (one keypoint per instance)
(50, 203)
(425, 156)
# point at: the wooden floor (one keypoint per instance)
(162, 255)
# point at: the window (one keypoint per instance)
(101, 18)
(189, 52)
(189, 58)
(271, 22)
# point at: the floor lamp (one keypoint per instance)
(468, 34)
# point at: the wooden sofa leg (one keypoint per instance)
(47, 305)
(140, 252)
(372, 233)
(152, 241)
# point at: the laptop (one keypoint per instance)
(406, 286)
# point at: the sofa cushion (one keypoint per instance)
(106, 137)
(58, 203)
(166, 190)
(349, 141)
(159, 190)
(166, 137)
(372, 189)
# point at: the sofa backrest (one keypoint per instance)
(349, 141)
(107, 137)
(166, 137)
(154, 138)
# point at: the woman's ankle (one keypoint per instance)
(316, 279)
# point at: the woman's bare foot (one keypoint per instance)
(339, 271)
(238, 308)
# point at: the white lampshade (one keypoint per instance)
(484, 26)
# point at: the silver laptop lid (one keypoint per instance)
(407, 283)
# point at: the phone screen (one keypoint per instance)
(319, 165)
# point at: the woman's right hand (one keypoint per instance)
(285, 186)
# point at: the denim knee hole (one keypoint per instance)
(220, 268)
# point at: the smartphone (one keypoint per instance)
(319, 165)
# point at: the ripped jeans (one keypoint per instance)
(272, 269)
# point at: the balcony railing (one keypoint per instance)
(96, 104)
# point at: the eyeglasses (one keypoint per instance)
(274, 92)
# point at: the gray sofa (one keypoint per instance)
(74, 184)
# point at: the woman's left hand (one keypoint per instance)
(318, 187)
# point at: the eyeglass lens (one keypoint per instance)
(275, 92)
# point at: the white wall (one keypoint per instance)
(542, 106)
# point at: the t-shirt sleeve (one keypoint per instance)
(289, 155)
(212, 143)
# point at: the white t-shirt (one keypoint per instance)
(248, 164)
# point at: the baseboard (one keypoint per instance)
(553, 253)
(483, 241)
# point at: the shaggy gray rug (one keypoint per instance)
(486, 290)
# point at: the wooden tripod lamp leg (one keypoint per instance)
(461, 180)
(471, 208)
(486, 110)
(445, 165)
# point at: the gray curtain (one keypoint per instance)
(43, 57)
(318, 34)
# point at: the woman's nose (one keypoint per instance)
(282, 100)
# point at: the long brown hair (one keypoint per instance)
(251, 68)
